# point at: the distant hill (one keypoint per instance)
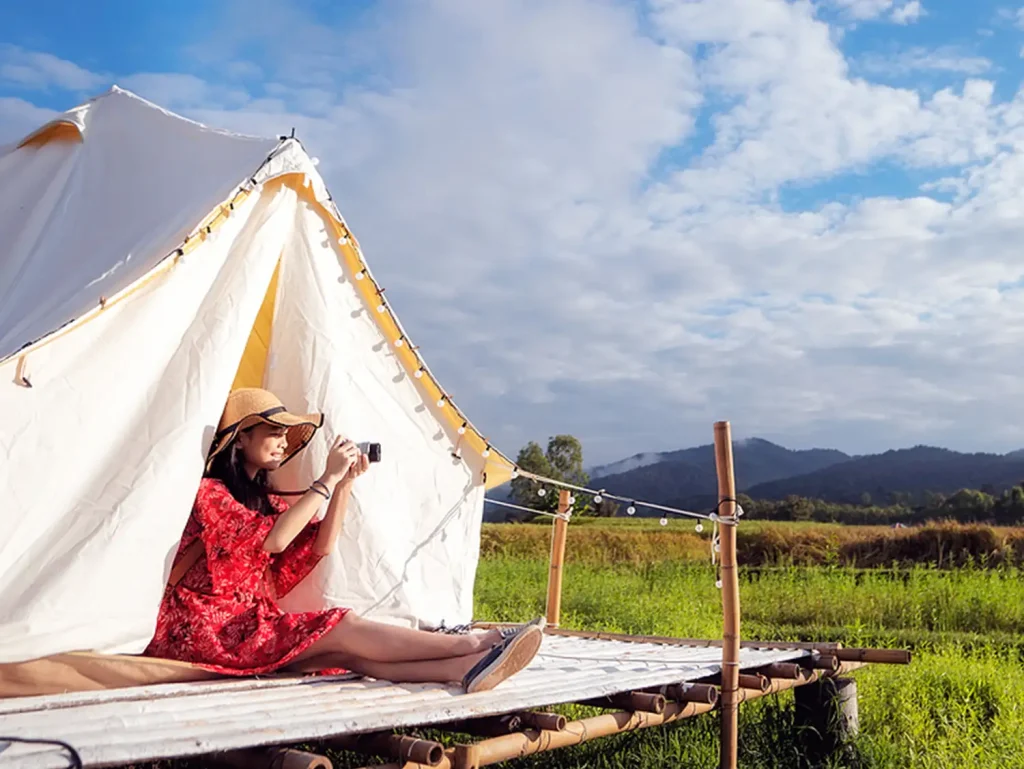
(688, 476)
(911, 471)
(764, 470)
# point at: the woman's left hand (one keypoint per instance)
(360, 466)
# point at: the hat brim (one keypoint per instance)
(300, 431)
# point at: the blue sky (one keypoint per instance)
(627, 220)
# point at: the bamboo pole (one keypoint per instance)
(399, 746)
(730, 597)
(558, 534)
(783, 670)
(270, 758)
(643, 702)
(885, 656)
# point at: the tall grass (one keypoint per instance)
(617, 541)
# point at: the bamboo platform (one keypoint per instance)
(117, 727)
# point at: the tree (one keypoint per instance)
(562, 461)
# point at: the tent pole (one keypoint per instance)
(558, 533)
(730, 597)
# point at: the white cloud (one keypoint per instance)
(866, 10)
(38, 70)
(908, 13)
(572, 252)
(921, 59)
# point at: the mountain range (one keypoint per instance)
(764, 470)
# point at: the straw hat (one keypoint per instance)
(250, 406)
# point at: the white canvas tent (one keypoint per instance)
(148, 265)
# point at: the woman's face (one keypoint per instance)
(263, 446)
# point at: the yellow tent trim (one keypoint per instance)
(253, 365)
(60, 130)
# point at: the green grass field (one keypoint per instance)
(959, 704)
(959, 608)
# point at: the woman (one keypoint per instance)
(244, 546)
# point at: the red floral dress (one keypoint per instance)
(222, 614)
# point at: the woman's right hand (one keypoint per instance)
(343, 454)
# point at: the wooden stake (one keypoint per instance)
(558, 533)
(730, 597)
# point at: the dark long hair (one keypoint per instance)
(228, 467)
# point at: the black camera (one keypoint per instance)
(372, 450)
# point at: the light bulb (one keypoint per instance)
(440, 403)
(360, 275)
(718, 548)
(718, 584)
(542, 492)
(462, 430)
(515, 473)
(597, 499)
(699, 528)
(487, 453)
(381, 308)
(342, 241)
(663, 521)
(315, 161)
(419, 373)
(572, 500)
(631, 510)
(399, 342)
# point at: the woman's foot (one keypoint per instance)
(507, 658)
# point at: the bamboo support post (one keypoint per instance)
(730, 596)
(643, 702)
(395, 746)
(558, 535)
(783, 670)
(271, 758)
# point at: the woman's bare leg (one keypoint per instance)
(371, 641)
(450, 670)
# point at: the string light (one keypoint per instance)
(462, 429)
(361, 274)
(663, 521)
(597, 499)
(542, 492)
(718, 584)
(515, 472)
(699, 528)
(381, 307)
(399, 342)
(419, 373)
(343, 241)
(487, 451)
(631, 510)
(440, 402)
